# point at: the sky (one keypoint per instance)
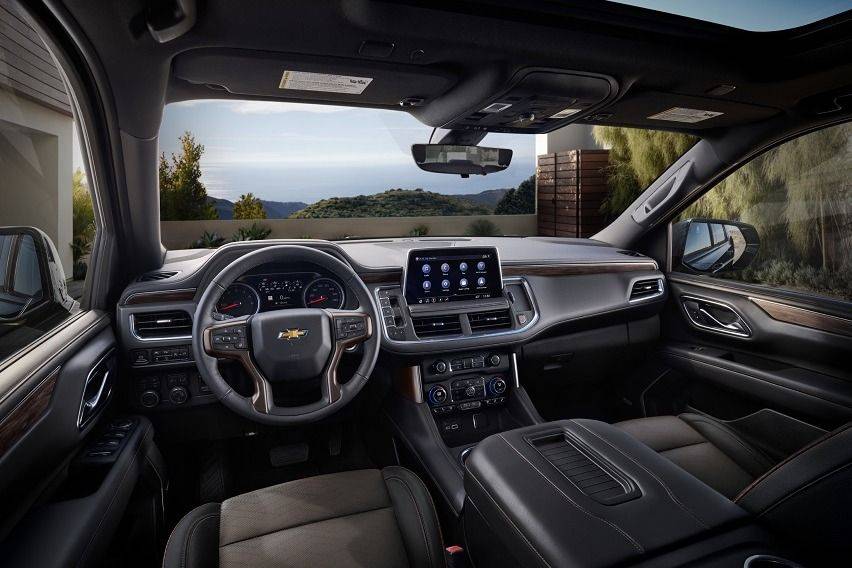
(283, 151)
(752, 15)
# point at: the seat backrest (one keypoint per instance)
(808, 496)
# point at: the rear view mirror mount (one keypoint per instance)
(460, 160)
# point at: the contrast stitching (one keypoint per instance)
(193, 526)
(419, 515)
(507, 517)
(624, 533)
(649, 472)
(793, 456)
(794, 494)
(754, 453)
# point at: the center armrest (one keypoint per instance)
(580, 493)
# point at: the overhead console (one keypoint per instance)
(456, 292)
(538, 100)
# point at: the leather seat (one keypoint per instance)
(375, 518)
(704, 447)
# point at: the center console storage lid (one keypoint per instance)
(581, 493)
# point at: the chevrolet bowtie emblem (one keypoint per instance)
(292, 334)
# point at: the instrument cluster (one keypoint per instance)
(280, 291)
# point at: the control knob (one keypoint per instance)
(497, 385)
(440, 366)
(494, 360)
(438, 395)
(149, 398)
(178, 395)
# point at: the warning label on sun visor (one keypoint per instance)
(679, 114)
(304, 81)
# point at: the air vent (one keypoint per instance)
(152, 276)
(166, 325)
(587, 474)
(490, 321)
(437, 325)
(644, 289)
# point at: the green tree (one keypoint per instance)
(182, 195)
(391, 203)
(83, 213)
(249, 207)
(518, 201)
(636, 158)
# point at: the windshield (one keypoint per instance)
(243, 170)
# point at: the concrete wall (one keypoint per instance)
(36, 157)
(179, 234)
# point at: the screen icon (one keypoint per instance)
(445, 268)
(426, 269)
(427, 285)
(480, 265)
(480, 281)
(445, 283)
(463, 267)
(463, 282)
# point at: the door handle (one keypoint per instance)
(712, 315)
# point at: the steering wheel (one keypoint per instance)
(285, 345)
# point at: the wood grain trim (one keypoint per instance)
(381, 277)
(185, 295)
(575, 269)
(407, 383)
(804, 317)
(27, 412)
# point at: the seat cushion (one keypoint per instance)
(359, 518)
(704, 447)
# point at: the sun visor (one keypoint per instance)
(671, 111)
(538, 100)
(310, 79)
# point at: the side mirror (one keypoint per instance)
(711, 246)
(32, 281)
(461, 160)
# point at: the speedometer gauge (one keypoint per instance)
(324, 293)
(238, 300)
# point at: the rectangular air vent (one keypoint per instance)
(644, 289)
(159, 275)
(166, 325)
(490, 321)
(437, 325)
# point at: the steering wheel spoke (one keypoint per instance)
(351, 328)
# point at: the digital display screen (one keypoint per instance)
(449, 275)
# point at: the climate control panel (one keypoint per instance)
(468, 382)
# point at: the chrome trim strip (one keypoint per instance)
(512, 280)
(515, 370)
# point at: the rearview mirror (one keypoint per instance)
(32, 281)
(461, 160)
(711, 246)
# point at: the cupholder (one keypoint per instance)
(767, 561)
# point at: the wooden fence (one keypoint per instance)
(571, 188)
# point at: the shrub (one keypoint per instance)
(483, 228)
(419, 231)
(256, 232)
(208, 240)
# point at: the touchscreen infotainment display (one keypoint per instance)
(448, 275)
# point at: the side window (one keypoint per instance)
(47, 221)
(783, 220)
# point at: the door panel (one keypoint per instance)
(784, 382)
(40, 409)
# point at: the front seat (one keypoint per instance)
(375, 518)
(805, 496)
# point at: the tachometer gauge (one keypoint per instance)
(238, 300)
(324, 293)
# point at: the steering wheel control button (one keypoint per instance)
(229, 338)
(438, 395)
(350, 327)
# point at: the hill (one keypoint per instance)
(489, 198)
(274, 209)
(391, 203)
